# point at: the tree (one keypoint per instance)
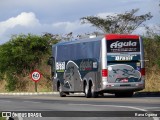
(21, 55)
(118, 23)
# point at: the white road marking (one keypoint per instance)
(35, 102)
(147, 108)
(31, 102)
(113, 106)
(26, 101)
(130, 107)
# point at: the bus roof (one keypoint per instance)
(120, 36)
(107, 36)
(80, 41)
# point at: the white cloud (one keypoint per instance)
(24, 19)
(62, 17)
(28, 23)
(68, 26)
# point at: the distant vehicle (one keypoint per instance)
(110, 64)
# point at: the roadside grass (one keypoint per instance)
(2, 86)
(2, 118)
(43, 85)
(25, 84)
(152, 83)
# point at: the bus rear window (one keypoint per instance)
(123, 45)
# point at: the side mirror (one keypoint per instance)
(50, 61)
(52, 73)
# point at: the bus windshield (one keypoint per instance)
(123, 45)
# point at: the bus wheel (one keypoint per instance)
(94, 94)
(61, 94)
(87, 91)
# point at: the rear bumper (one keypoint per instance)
(122, 87)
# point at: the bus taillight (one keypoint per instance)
(104, 72)
(142, 71)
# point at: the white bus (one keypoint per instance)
(113, 64)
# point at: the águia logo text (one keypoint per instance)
(118, 44)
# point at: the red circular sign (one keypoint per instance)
(36, 75)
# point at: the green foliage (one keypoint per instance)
(11, 80)
(157, 39)
(118, 23)
(21, 55)
(152, 47)
(152, 50)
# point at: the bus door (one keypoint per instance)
(123, 59)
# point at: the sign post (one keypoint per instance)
(36, 76)
(35, 86)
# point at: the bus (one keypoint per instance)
(113, 63)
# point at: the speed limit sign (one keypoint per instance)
(36, 75)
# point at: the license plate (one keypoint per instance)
(124, 80)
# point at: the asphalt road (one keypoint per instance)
(119, 107)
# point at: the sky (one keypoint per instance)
(63, 16)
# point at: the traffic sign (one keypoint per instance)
(36, 75)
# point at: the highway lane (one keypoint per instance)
(80, 103)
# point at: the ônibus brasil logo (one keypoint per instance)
(118, 44)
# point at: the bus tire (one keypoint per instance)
(87, 91)
(61, 94)
(118, 95)
(94, 94)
